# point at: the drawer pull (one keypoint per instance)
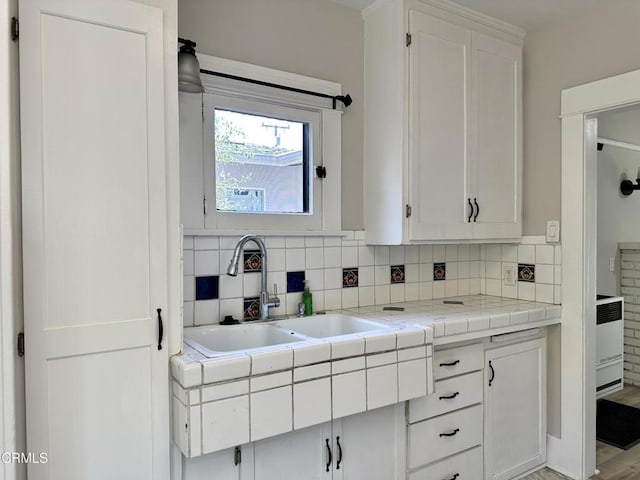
(454, 477)
(330, 459)
(449, 397)
(339, 453)
(493, 373)
(450, 434)
(450, 364)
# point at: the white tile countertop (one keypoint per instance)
(437, 321)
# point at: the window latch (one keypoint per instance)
(321, 171)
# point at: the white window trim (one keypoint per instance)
(327, 199)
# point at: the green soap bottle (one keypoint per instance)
(307, 299)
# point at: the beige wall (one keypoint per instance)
(601, 42)
(311, 37)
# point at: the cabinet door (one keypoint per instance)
(515, 409)
(302, 454)
(497, 137)
(219, 465)
(94, 238)
(439, 66)
(369, 445)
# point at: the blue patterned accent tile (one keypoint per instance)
(349, 277)
(295, 282)
(397, 274)
(439, 271)
(526, 272)
(252, 261)
(251, 308)
(207, 288)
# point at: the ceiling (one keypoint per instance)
(528, 14)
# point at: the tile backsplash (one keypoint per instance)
(343, 272)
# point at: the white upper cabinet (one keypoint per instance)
(443, 141)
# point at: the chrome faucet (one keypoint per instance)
(266, 301)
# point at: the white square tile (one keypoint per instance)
(276, 260)
(439, 253)
(474, 286)
(557, 254)
(292, 300)
(271, 412)
(464, 269)
(332, 241)
(225, 260)
(426, 253)
(412, 273)
(451, 253)
(382, 386)
(332, 278)
(267, 362)
(251, 284)
(231, 306)
(229, 243)
(381, 255)
(187, 313)
(366, 255)
(349, 257)
(279, 279)
(439, 289)
(557, 274)
(464, 253)
(510, 253)
(474, 269)
(366, 276)
(411, 254)
(313, 242)
(187, 242)
(349, 393)
(463, 287)
(412, 292)
(350, 297)
(474, 252)
(382, 275)
(526, 291)
(230, 287)
(188, 262)
(366, 296)
(510, 291)
(206, 243)
(274, 242)
(312, 403)
(426, 290)
(494, 287)
(544, 274)
(315, 279)
(544, 293)
(206, 262)
(189, 288)
(494, 253)
(426, 272)
(293, 242)
(396, 255)
(295, 259)
(206, 312)
(382, 294)
(557, 294)
(526, 254)
(396, 293)
(230, 416)
(493, 270)
(452, 270)
(314, 258)
(332, 257)
(318, 301)
(544, 254)
(333, 299)
(451, 288)
(358, 235)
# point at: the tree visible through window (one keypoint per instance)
(262, 163)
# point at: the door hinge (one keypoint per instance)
(237, 456)
(15, 29)
(408, 39)
(407, 210)
(204, 205)
(20, 344)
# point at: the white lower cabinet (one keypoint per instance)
(463, 466)
(357, 447)
(515, 409)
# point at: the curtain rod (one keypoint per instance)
(617, 143)
(345, 99)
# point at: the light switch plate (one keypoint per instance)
(553, 231)
(509, 274)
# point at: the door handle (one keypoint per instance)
(475, 202)
(493, 373)
(160, 329)
(339, 453)
(470, 210)
(330, 457)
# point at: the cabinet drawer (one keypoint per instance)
(455, 361)
(451, 394)
(464, 466)
(442, 436)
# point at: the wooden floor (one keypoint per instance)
(613, 463)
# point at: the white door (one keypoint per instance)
(439, 66)
(305, 454)
(94, 238)
(515, 409)
(367, 445)
(497, 137)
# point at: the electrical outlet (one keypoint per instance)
(612, 264)
(509, 275)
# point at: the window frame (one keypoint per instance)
(326, 143)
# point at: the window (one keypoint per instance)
(249, 153)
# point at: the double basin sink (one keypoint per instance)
(217, 340)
